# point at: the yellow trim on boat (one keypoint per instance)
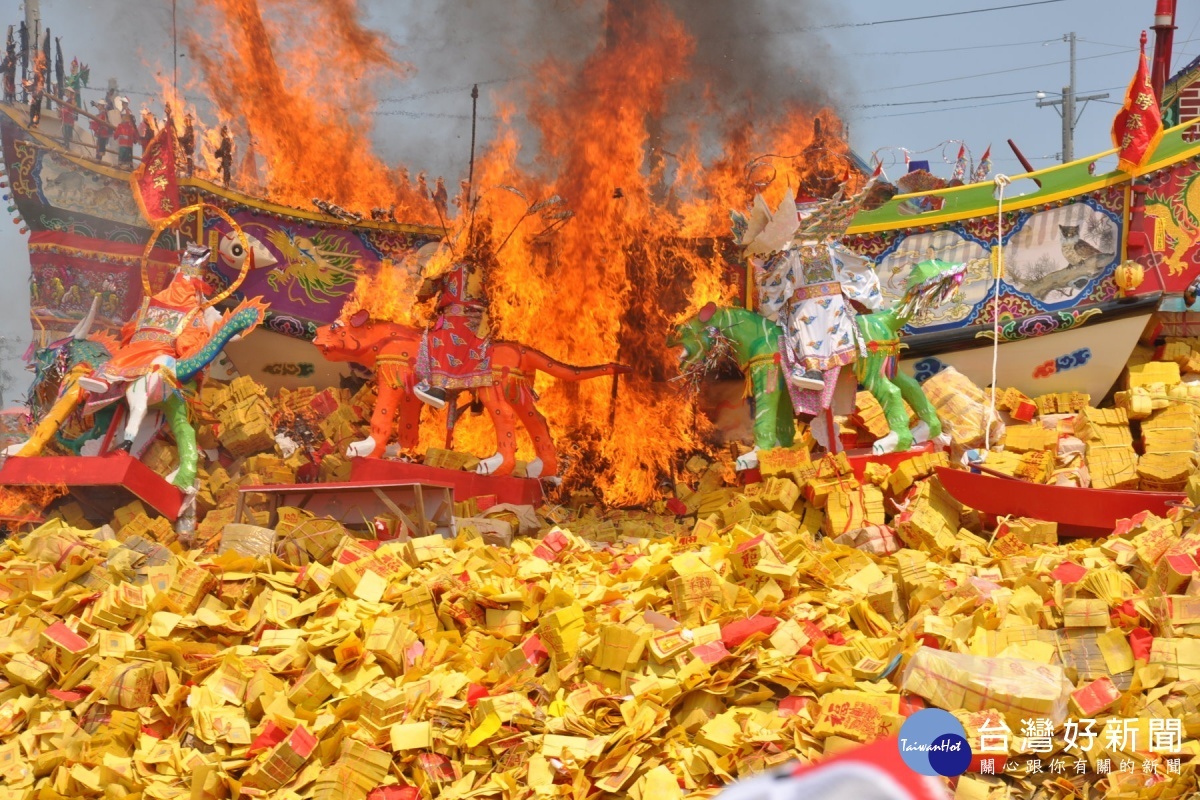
(288, 211)
(1028, 201)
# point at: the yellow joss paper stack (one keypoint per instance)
(1111, 460)
(1171, 447)
(245, 414)
(963, 408)
(1061, 403)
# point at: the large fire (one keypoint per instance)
(639, 253)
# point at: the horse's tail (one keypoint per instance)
(243, 319)
(541, 362)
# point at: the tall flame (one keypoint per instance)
(643, 250)
(305, 106)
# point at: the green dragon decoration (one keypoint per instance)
(58, 367)
(753, 341)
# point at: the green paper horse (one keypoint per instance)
(753, 341)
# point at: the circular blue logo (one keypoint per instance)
(933, 742)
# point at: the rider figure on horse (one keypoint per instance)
(455, 353)
(169, 325)
(809, 285)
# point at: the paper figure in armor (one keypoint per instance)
(806, 282)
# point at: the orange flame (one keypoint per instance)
(307, 108)
(647, 245)
(26, 503)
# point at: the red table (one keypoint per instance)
(101, 484)
(361, 501)
(518, 491)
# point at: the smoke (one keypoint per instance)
(752, 57)
(757, 55)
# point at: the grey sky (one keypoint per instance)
(995, 61)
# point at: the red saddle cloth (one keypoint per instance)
(458, 357)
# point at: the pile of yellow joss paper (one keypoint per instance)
(633, 654)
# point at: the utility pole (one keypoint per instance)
(1068, 102)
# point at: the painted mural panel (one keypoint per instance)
(946, 245)
(305, 270)
(1058, 254)
(1173, 208)
(1054, 258)
(62, 184)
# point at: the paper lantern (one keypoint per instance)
(1129, 276)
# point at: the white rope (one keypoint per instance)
(1000, 181)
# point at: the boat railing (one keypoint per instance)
(1056, 183)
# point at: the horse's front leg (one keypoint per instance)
(546, 462)
(383, 420)
(930, 426)
(175, 410)
(503, 418)
(774, 424)
(890, 400)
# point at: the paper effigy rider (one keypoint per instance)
(807, 285)
(455, 353)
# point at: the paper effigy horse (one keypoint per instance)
(82, 356)
(754, 342)
(391, 350)
(175, 335)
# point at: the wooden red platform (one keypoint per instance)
(415, 502)
(518, 491)
(101, 484)
(1078, 512)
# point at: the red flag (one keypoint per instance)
(154, 184)
(1138, 126)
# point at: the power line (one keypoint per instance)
(988, 74)
(449, 89)
(941, 50)
(944, 100)
(941, 110)
(1193, 30)
(963, 108)
(1107, 44)
(933, 52)
(1125, 46)
(911, 19)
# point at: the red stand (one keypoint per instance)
(1078, 512)
(101, 484)
(517, 491)
(858, 462)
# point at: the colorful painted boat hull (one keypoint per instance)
(1083, 350)
(1064, 230)
(1078, 512)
